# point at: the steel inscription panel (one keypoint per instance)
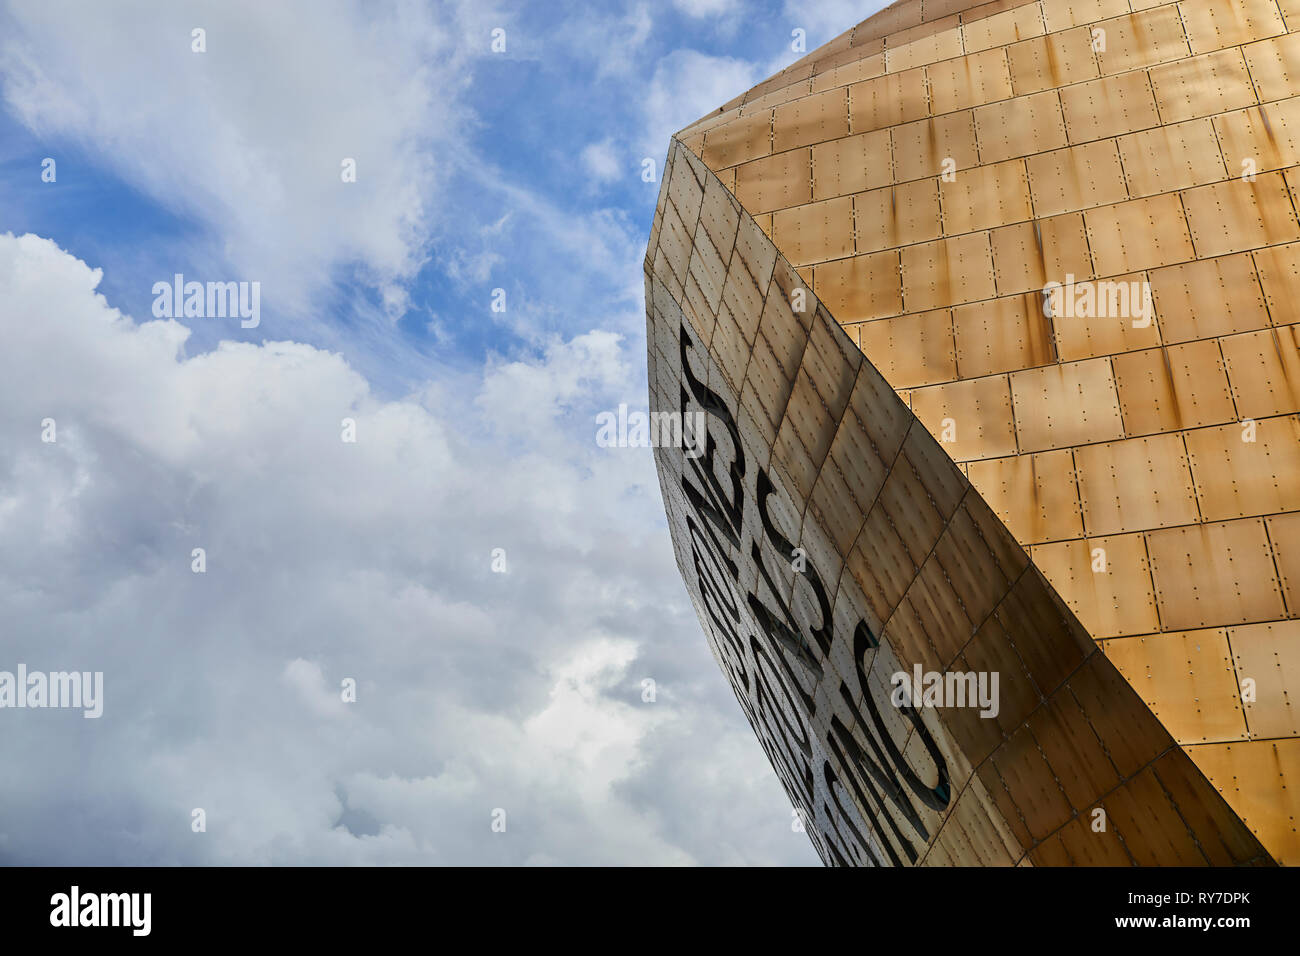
(829, 543)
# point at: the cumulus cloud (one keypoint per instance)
(248, 139)
(328, 560)
(686, 85)
(602, 161)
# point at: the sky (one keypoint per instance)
(500, 716)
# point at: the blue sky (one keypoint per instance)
(476, 170)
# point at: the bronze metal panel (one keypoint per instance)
(1216, 24)
(1109, 106)
(815, 118)
(1187, 679)
(987, 196)
(1170, 389)
(971, 418)
(1106, 581)
(1202, 85)
(1140, 39)
(1067, 180)
(849, 165)
(1239, 214)
(1062, 405)
(775, 182)
(1264, 370)
(1048, 62)
(1212, 574)
(1139, 234)
(1002, 335)
(920, 148)
(1034, 495)
(1269, 655)
(1001, 29)
(1212, 297)
(916, 349)
(1171, 157)
(1135, 483)
(1238, 479)
(1020, 126)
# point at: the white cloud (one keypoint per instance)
(686, 85)
(701, 9)
(249, 138)
(824, 20)
(602, 161)
(328, 560)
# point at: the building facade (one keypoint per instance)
(991, 312)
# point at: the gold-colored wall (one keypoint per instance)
(1108, 142)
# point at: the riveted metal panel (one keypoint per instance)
(1135, 483)
(1236, 478)
(1202, 85)
(1182, 386)
(1106, 581)
(1188, 681)
(1078, 177)
(1278, 269)
(1060, 14)
(1048, 62)
(1216, 24)
(864, 287)
(1275, 66)
(1211, 574)
(1260, 138)
(1139, 39)
(1109, 106)
(1256, 777)
(815, 232)
(1020, 126)
(1034, 495)
(1003, 28)
(915, 349)
(1269, 655)
(926, 49)
(744, 138)
(970, 419)
(1062, 405)
(811, 119)
(921, 148)
(1171, 157)
(1002, 335)
(844, 74)
(947, 271)
(851, 164)
(897, 215)
(967, 81)
(775, 182)
(1264, 371)
(1029, 255)
(1197, 300)
(1139, 234)
(1239, 214)
(887, 101)
(987, 196)
(1122, 323)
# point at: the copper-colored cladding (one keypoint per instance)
(925, 176)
